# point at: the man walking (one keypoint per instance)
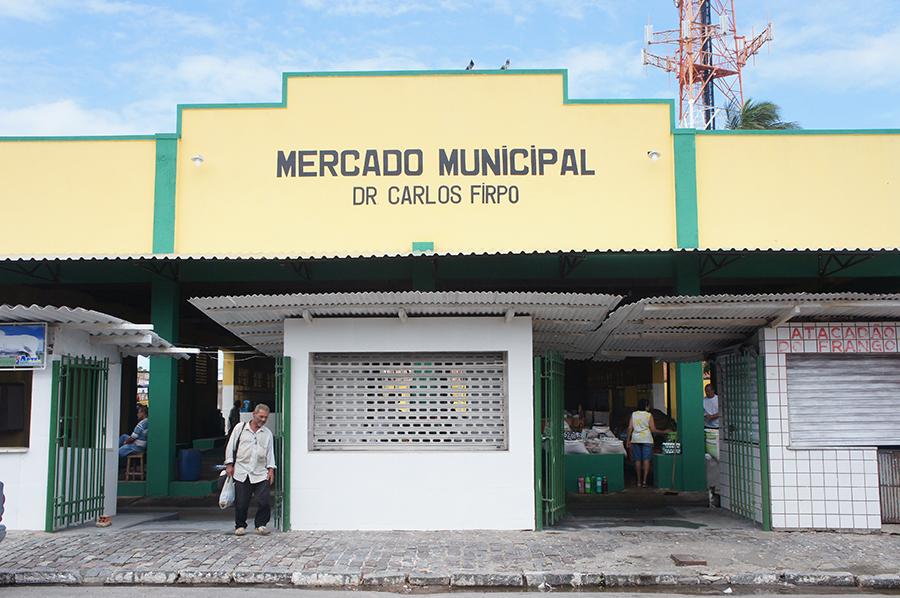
(250, 460)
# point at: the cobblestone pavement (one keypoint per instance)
(728, 552)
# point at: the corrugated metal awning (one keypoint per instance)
(565, 322)
(327, 256)
(688, 327)
(130, 339)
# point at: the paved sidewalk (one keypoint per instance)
(587, 558)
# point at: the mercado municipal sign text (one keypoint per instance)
(502, 161)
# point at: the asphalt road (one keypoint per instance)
(255, 592)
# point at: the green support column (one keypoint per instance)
(686, 213)
(688, 376)
(689, 391)
(165, 298)
(164, 193)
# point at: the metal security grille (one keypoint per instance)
(282, 502)
(408, 401)
(739, 406)
(549, 387)
(77, 465)
(843, 400)
(889, 485)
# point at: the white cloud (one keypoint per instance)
(573, 9)
(145, 15)
(842, 63)
(33, 11)
(382, 8)
(217, 78)
(64, 117)
(597, 70)
(381, 60)
(154, 15)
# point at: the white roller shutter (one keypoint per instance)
(408, 401)
(843, 400)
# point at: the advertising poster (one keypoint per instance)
(23, 346)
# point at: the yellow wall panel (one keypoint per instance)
(77, 197)
(798, 191)
(234, 203)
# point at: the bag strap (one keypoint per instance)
(237, 442)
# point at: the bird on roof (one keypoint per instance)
(505, 66)
(471, 65)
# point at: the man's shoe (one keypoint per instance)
(240, 531)
(262, 531)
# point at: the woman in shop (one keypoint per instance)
(639, 441)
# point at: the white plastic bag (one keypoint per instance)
(226, 497)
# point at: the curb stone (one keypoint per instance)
(591, 580)
(754, 579)
(313, 579)
(200, 577)
(119, 578)
(886, 581)
(383, 578)
(622, 580)
(487, 580)
(155, 578)
(535, 579)
(262, 577)
(428, 579)
(819, 578)
(27, 578)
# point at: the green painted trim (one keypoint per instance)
(286, 440)
(180, 108)
(165, 300)
(763, 416)
(131, 489)
(538, 448)
(420, 247)
(164, 194)
(687, 228)
(198, 489)
(81, 138)
(800, 132)
(52, 453)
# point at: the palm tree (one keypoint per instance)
(758, 115)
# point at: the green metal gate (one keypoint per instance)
(549, 387)
(742, 405)
(76, 473)
(282, 506)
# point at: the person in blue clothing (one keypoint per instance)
(136, 442)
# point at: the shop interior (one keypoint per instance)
(601, 485)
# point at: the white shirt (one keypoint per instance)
(711, 407)
(255, 453)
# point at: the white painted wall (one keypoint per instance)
(825, 488)
(413, 490)
(25, 473)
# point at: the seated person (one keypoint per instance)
(136, 442)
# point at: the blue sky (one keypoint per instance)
(70, 67)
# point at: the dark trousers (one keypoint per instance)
(242, 493)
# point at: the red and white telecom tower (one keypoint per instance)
(709, 56)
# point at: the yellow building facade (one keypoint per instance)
(375, 164)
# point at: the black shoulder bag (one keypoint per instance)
(220, 483)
